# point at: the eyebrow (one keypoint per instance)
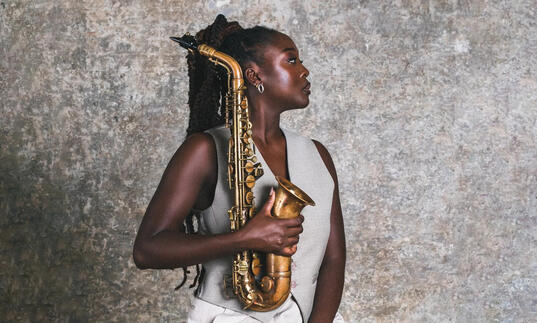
(289, 49)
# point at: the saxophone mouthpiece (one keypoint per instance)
(187, 41)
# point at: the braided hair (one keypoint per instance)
(208, 86)
(208, 82)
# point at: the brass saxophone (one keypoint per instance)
(273, 287)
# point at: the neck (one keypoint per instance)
(265, 121)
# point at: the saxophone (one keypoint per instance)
(258, 286)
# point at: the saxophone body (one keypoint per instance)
(260, 284)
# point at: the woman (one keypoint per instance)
(195, 179)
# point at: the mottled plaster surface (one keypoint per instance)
(429, 109)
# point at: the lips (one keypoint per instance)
(307, 88)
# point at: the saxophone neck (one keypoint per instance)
(220, 58)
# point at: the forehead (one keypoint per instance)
(280, 45)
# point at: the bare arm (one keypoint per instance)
(332, 271)
(189, 181)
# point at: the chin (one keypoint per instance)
(304, 105)
(297, 107)
(303, 102)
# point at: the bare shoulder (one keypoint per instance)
(196, 154)
(195, 146)
(327, 159)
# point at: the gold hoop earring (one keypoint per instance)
(260, 87)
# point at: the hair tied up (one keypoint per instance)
(208, 83)
(215, 33)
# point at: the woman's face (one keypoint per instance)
(283, 75)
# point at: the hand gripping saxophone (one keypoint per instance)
(260, 286)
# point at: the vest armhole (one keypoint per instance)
(215, 146)
(327, 160)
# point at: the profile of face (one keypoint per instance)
(283, 76)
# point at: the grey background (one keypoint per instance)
(429, 109)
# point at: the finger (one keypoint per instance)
(294, 222)
(268, 204)
(292, 241)
(294, 231)
(294, 248)
(288, 251)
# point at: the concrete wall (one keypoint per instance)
(429, 109)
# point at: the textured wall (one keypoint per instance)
(428, 107)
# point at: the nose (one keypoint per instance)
(305, 72)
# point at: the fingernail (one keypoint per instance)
(271, 191)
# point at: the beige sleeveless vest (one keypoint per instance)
(306, 170)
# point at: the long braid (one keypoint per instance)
(208, 87)
(207, 79)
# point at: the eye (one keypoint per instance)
(293, 60)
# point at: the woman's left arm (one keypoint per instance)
(332, 271)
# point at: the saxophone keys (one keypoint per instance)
(244, 125)
(258, 170)
(267, 284)
(249, 181)
(244, 103)
(231, 214)
(242, 268)
(257, 266)
(249, 167)
(248, 152)
(249, 197)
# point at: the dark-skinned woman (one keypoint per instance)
(195, 183)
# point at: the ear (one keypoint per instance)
(251, 76)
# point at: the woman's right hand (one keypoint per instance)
(268, 234)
